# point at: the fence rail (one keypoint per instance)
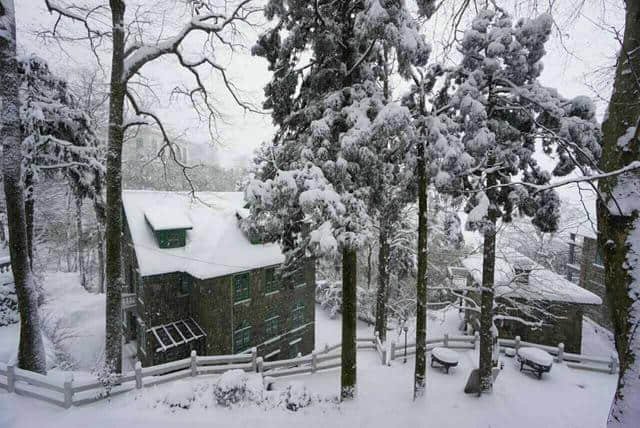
(68, 393)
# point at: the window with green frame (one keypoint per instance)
(272, 325)
(271, 280)
(241, 287)
(297, 315)
(242, 338)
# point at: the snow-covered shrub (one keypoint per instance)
(329, 296)
(236, 386)
(8, 303)
(296, 396)
(182, 395)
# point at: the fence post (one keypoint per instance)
(11, 378)
(613, 365)
(259, 365)
(517, 343)
(392, 353)
(384, 356)
(138, 372)
(194, 362)
(476, 339)
(314, 362)
(446, 340)
(254, 355)
(326, 348)
(560, 352)
(68, 392)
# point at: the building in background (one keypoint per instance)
(586, 268)
(194, 281)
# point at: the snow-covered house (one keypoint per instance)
(193, 280)
(530, 301)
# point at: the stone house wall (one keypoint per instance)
(592, 279)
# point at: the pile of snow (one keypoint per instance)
(233, 389)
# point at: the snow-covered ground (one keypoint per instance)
(70, 314)
(563, 398)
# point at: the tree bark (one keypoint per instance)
(349, 319)
(29, 208)
(80, 249)
(620, 250)
(114, 281)
(382, 295)
(31, 354)
(486, 309)
(419, 383)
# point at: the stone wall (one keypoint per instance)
(592, 279)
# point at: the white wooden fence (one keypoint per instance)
(577, 361)
(68, 392)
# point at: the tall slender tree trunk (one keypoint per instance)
(31, 354)
(349, 320)
(619, 232)
(382, 295)
(420, 375)
(486, 310)
(80, 249)
(114, 281)
(29, 208)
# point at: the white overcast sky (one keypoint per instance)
(587, 45)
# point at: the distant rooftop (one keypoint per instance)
(542, 283)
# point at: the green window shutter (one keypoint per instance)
(241, 287)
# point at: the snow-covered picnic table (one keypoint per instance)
(535, 360)
(444, 357)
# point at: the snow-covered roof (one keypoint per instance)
(167, 218)
(543, 284)
(215, 245)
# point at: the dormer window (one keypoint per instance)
(169, 226)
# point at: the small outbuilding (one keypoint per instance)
(531, 301)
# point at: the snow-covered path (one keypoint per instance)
(563, 398)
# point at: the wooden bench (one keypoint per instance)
(535, 360)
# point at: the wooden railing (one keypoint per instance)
(68, 392)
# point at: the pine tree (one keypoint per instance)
(502, 110)
(329, 110)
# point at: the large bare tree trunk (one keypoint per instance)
(31, 354)
(420, 375)
(382, 295)
(619, 232)
(349, 320)
(114, 282)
